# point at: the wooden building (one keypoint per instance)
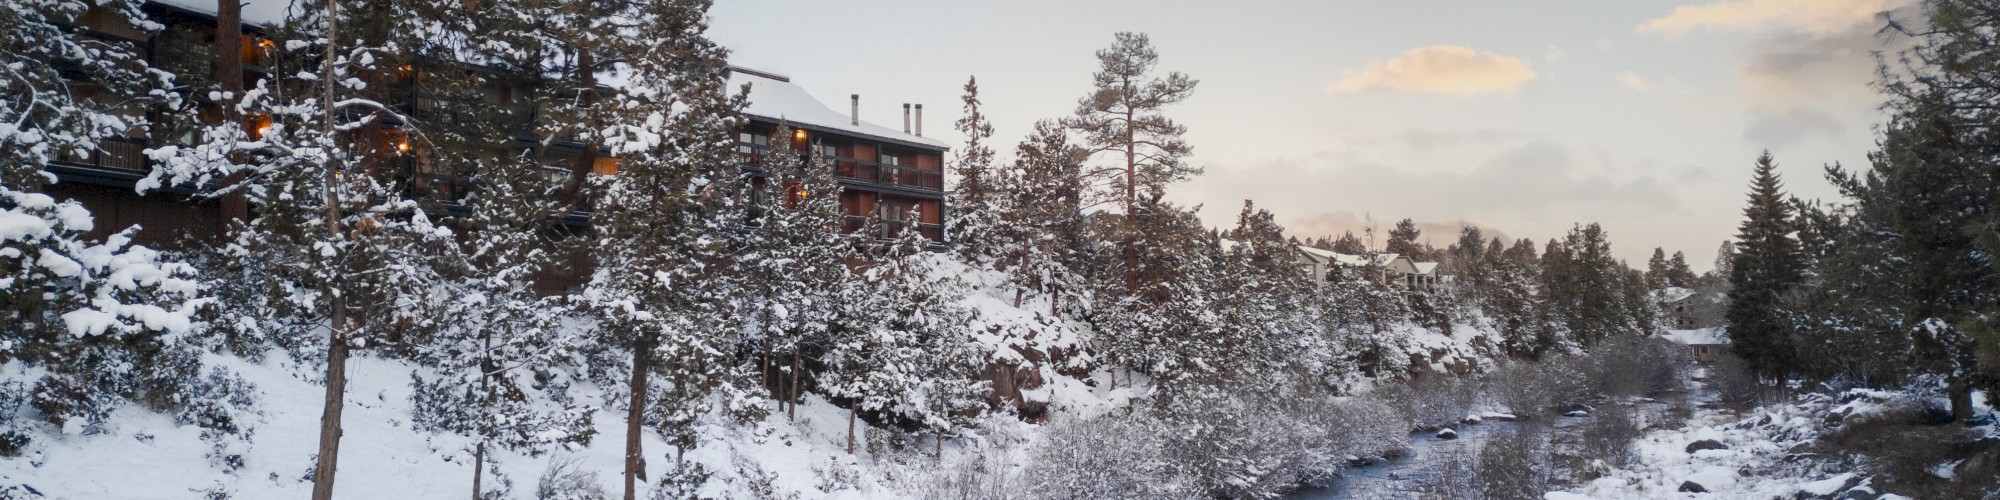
(894, 175)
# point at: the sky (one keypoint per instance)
(1522, 117)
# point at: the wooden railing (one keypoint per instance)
(859, 169)
(118, 153)
(891, 229)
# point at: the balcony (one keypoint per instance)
(891, 229)
(859, 170)
(119, 153)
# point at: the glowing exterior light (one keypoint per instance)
(799, 135)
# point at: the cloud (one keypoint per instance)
(1632, 80)
(1777, 130)
(1807, 16)
(1440, 69)
(1553, 53)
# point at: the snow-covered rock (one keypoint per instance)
(1447, 434)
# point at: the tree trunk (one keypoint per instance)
(329, 420)
(1131, 217)
(478, 468)
(235, 206)
(336, 346)
(850, 426)
(635, 416)
(793, 412)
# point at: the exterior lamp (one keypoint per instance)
(799, 135)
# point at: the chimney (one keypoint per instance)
(920, 120)
(854, 113)
(906, 118)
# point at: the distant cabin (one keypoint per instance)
(1703, 344)
(1327, 266)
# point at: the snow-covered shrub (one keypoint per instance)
(566, 479)
(752, 478)
(14, 428)
(682, 482)
(1110, 456)
(972, 476)
(1513, 464)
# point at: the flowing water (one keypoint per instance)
(1404, 476)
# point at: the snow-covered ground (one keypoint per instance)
(1763, 453)
(140, 453)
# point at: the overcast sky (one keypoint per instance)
(1527, 117)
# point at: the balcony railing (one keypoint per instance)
(859, 169)
(891, 229)
(118, 153)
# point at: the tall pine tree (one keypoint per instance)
(1768, 264)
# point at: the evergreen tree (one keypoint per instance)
(1656, 269)
(1122, 116)
(975, 198)
(1678, 273)
(1403, 241)
(656, 234)
(1767, 266)
(1348, 244)
(1043, 199)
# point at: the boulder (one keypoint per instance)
(1447, 434)
(1577, 414)
(1706, 444)
(1692, 487)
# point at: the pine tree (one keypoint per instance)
(794, 266)
(1678, 273)
(975, 198)
(1403, 241)
(1349, 244)
(1766, 267)
(1656, 269)
(1042, 216)
(656, 236)
(1122, 116)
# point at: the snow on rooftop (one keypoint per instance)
(266, 13)
(777, 99)
(1671, 294)
(1700, 336)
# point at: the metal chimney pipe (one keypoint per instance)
(854, 113)
(920, 120)
(906, 118)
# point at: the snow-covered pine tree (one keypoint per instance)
(1122, 118)
(1768, 266)
(667, 115)
(93, 324)
(1264, 299)
(975, 198)
(794, 261)
(1042, 216)
(1404, 239)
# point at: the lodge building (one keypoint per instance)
(895, 176)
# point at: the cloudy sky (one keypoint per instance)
(1527, 117)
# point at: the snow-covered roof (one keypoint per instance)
(1699, 336)
(266, 13)
(775, 99)
(1671, 294)
(1425, 267)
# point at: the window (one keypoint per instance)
(749, 143)
(890, 159)
(604, 165)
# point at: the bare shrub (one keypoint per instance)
(1433, 401)
(566, 479)
(1608, 437)
(1450, 473)
(1511, 465)
(1732, 381)
(1627, 366)
(1524, 389)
